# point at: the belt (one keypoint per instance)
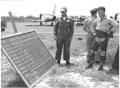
(101, 34)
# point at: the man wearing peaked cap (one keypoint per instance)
(90, 37)
(64, 9)
(104, 28)
(93, 11)
(63, 32)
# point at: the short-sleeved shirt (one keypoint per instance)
(105, 25)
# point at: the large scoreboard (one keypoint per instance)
(28, 55)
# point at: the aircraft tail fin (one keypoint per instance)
(54, 10)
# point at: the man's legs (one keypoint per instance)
(89, 41)
(103, 47)
(66, 52)
(59, 45)
(92, 54)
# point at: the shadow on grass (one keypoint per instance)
(17, 82)
(62, 83)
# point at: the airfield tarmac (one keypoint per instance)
(61, 76)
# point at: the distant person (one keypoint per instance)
(3, 25)
(63, 33)
(117, 17)
(40, 19)
(104, 29)
(87, 27)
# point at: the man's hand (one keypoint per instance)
(110, 34)
(55, 37)
(94, 34)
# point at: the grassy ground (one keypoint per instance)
(77, 50)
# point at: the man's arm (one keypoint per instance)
(93, 27)
(114, 25)
(72, 29)
(55, 29)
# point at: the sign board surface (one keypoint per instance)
(28, 55)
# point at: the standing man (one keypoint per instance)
(104, 28)
(87, 27)
(63, 33)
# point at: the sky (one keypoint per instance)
(75, 7)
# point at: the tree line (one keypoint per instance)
(19, 19)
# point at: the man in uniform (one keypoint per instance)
(63, 33)
(104, 28)
(87, 27)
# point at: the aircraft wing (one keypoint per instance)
(30, 20)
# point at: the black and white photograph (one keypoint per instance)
(59, 43)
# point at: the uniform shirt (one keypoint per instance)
(88, 24)
(64, 27)
(105, 24)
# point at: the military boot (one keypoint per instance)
(89, 66)
(58, 62)
(68, 63)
